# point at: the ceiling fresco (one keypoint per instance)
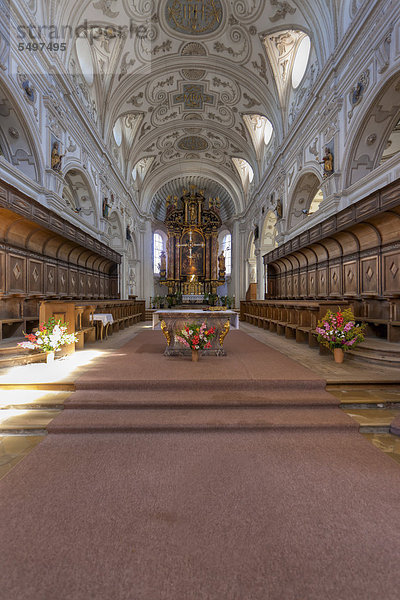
(187, 73)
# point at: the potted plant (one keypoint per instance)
(229, 302)
(339, 332)
(49, 338)
(196, 337)
(212, 299)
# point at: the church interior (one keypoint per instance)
(199, 299)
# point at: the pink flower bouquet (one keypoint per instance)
(196, 337)
(339, 330)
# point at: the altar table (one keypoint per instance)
(172, 322)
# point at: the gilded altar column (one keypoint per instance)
(177, 267)
(214, 256)
(208, 256)
(171, 254)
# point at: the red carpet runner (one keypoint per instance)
(234, 479)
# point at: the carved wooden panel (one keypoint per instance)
(296, 289)
(50, 279)
(62, 281)
(303, 284)
(2, 271)
(391, 273)
(82, 283)
(23, 205)
(73, 282)
(335, 280)
(350, 278)
(370, 275)
(322, 282)
(96, 286)
(367, 206)
(89, 285)
(16, 274)
(328, 226)
(312, 282)
(35, 277)
(289, 285)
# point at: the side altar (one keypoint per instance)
(172, 322)
(191, 265)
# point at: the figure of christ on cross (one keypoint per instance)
(193, 262)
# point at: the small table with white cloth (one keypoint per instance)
(102, 322)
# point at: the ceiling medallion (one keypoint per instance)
(193, 49)
(193, 74)
(193, 97)
(192, 142)
(194, 17)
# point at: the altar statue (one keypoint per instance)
(221, 262)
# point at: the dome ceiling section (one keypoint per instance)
(212, 189)
(194, 140)
(186, 119)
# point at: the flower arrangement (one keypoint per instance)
(195, 336)
(339, 330)
(49, 337)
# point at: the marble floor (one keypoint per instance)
(25, 413)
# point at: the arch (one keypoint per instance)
(225, 245)
(115, 231)
(17, 140)
(372, 131)
(303, 194)
(178, 171)
(159, 245)
(79, 196)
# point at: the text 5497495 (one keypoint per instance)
(41, 46)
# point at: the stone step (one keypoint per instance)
(28, 398)
(377, 351)
(194, 398)
(180, 419)
(373, 417)
(21, 358)
(20, 420)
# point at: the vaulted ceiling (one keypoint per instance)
(169, 82)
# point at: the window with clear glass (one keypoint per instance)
(158, 248)
(227, 248)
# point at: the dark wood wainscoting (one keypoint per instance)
(354, 255)
(42, 256)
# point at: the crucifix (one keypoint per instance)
(191, 245)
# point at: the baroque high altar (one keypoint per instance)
(192, 265)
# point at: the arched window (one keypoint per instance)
(227, 248)
(158, 244)
(301, 61)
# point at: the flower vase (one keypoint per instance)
(338, 355)
(50, 357)
(195, 356)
